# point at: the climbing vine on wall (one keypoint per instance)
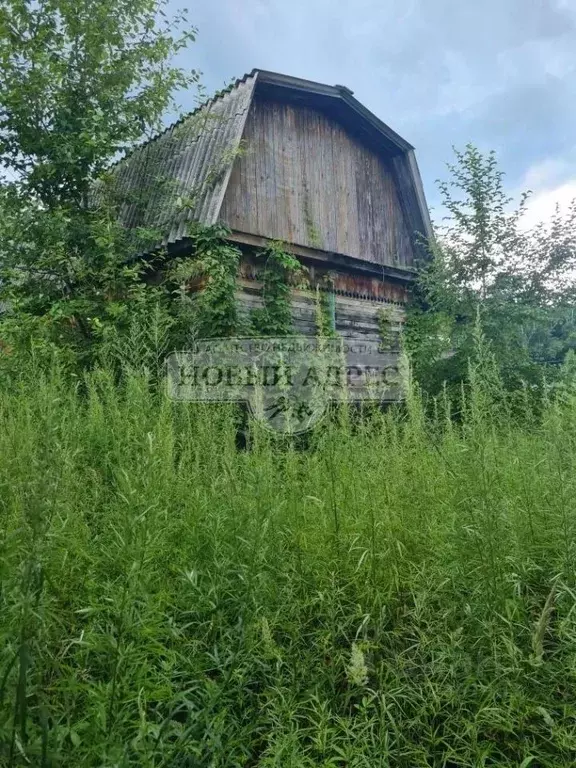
(325, 307)
(211, 273)
(279, 273)
(389, 338)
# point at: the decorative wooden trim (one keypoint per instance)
(354, 286)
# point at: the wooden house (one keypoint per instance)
(279, 158)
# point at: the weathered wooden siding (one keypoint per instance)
(305, 180)
(355, 318)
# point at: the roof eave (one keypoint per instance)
(339, 93)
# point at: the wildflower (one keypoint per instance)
(357, 671)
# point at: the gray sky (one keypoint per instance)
(499, 73)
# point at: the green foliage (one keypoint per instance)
(480, 233)
(80, 82)
(484, 266)
(314, 236)
(312, 231)
(401, 593)
(281, 271)
(212, 312)
(325, 307)
(389, 337)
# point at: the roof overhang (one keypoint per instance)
(338, 102)
(335, 99)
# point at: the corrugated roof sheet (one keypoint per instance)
(182, 174)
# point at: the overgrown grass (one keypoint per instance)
(399, 593)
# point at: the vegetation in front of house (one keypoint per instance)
(390, 336)
(324, 307)
(211, 310)
(518, 283)
(400, 593)
(81, 82)
(279, 274)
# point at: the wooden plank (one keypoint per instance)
(355, 318)
(307, 181)
(349, 264)
(410, 204)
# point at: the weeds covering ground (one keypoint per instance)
(397, 591)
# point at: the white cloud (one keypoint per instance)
(541, 206)
(545, 174)
(552, 183)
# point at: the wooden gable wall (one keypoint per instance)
(303, 179)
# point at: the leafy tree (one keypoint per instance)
(487, 272)
(80, 84)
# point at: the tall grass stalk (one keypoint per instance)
(397, 590)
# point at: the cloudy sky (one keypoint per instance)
(499, 73)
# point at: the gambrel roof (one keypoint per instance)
(182, 175)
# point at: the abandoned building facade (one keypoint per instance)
(277, 158)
